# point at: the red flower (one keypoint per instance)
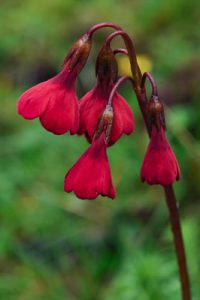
(91, 176)
(160, 165)
(54, 101)
(92, 106)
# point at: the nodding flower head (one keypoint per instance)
(91, 175)
(160, 165)
(94, 102)
(54, 101)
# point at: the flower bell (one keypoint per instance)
(160, 165)
(54, 101)
(91, 176)
(94, 102)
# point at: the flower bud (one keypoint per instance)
(156, 113)
(106, 66)
(105, 124)
(79, 53)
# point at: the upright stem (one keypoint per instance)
(178, 240)
(174, 215)
(143, 104)
(139, 87)
(173, 211)
(133, 59)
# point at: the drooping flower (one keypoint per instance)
(160, 165)
(91, 176)
(94, 102)
(54, 101)
(92, 106)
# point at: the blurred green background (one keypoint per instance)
(52, 245)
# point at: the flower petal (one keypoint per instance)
(91, 176)
(61, 113)
(123, 122)
(54, 102)
(92, 106)
(160, 165)
(33, 102)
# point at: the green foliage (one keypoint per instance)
(54, 246)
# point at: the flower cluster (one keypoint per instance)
(102, 116)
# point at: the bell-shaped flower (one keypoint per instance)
(94, 102)
(54, 101)
(160, 165)
(92, 106)
(91, 176)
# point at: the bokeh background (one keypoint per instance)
(52, 245)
